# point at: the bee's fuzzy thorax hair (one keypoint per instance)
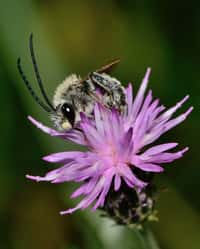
(62, 88)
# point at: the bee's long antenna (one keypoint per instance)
(39, 80)
(37, 99)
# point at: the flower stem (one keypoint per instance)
(147, 239)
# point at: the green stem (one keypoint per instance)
(147, 239)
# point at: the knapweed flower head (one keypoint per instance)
(119, 145)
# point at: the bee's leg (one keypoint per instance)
(101, 81)
(90, 88)
(111, 86)
(89, 85)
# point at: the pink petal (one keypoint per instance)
(98, 119)
(79, 191)
(172, 123)
(166, 115)
(149, 167)
(127, 174)
(108, 175)
(71, 210)
(38, 178)
(125, 142)
(140, 95)
(158, 149)
(117, 182)
(72, 135)
(129, 96)
(94, 194)
(168, 157)
(94, 138)
(63, 156)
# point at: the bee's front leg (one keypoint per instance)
(90, 89)
(112, 87)
(100, 80)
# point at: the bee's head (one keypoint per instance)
(64, 116)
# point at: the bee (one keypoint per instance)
(75, 94)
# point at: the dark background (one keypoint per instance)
(79, 36)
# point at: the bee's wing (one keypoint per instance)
(108, 67)
(105, 69)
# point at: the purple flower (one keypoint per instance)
(117, 143)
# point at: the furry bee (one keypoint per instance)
(75, 94)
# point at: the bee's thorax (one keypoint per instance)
(62, 89)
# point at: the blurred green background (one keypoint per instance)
(79, 36)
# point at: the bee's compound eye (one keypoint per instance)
(68, 112)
